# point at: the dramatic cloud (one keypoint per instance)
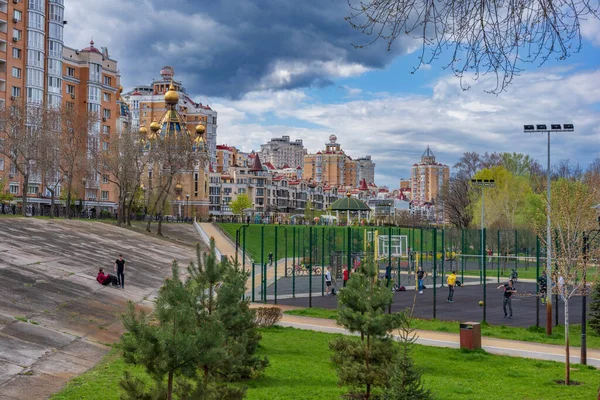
(227, 48)
(395, 129)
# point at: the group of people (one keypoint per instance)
(117, 280)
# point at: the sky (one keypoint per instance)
(278, 67)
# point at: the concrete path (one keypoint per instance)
(56, 321)
(511, 348)
(222, 243)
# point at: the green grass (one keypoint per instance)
(335, 239)
(529, 273)
(531, 334)
(301, 369)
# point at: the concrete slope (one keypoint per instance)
(55, 319)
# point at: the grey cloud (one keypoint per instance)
(227, 48)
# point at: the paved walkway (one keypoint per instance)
(511, 348)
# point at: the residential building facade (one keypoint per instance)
(283, 153)
(331, 166)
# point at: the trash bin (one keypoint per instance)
(470, 335)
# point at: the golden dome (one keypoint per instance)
(200, 129)
(120, 89)
(178, 187)
(154, 126)
(171, 97)
(143, 130)
(348, 194)
(199, 143)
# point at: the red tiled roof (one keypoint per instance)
(92, 49)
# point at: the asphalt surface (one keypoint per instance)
(465, 307)
(55, 319)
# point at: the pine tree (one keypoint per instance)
(219, 288)
(595, 309)
(169, 343)
(406, 383)
(238, 319)
(365, 364)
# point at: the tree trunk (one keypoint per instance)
(68, 205)
(25, 186)
(149, 222)
(170, 386)
(51, 203)
(567, 356)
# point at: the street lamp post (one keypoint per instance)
(483, 183)
(187, 207)
(554, 128)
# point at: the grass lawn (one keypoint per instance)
(529, 273)
(335, 239)
(301, 369)
(495, 331)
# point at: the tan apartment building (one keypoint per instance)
(427, 178)
(331, 166)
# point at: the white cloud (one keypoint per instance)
(590, 30)
(395, 129)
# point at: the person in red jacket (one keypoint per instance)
(102, 278)
(345, 276)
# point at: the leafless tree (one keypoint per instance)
(566, 170)
(48, 162)
(120, 160)
(22, 126)
(480, 37)
(79, 135)
(456, 197)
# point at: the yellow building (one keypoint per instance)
(427, 179)
(188, 190)
(331, 166)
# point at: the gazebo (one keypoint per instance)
(348, 204)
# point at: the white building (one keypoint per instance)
(366, 169)
(282, 152)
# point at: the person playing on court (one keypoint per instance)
(509, 289)
(328, 281)
(420, 276)
(451, 284)
(543, 285)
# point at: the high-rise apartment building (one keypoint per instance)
(427, 178)
(366, 169)
(332, 166)
(147, 104)
(283, 152)
(36, 68)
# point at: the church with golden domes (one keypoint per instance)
(178, 162)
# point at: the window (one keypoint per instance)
(55, 48)
(70, 105)
(95, 71)
(35, 59)
(32, 189)
(56, 13)
(35, 21)
(70, 72)
(16, 72)
(104, 178)
(56, 31)
(93, 94)
(35, 40)
(94, 108)
(54, 84)
(17, 34)
(1, 164)
(18, 15)
(16, 91)
(54, 67)
(35, 95)
(70, 89)
(105, 129)
(106, 97)
(105, 146)
(107, 80)
(106, 113)
(36, 5)
(16, 53)
(14, 188)
(104, 195)
(13, 169)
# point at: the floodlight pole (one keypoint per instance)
(483, 183)
(543, 129)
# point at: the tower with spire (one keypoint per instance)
(427, 179)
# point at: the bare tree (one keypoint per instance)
(571, 216)
(456, 197)
(75, 146)
(22, 127)
(481, 37)
(48, 162)
(121, 162)
(566, 170)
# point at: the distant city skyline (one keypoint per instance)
(311, 83)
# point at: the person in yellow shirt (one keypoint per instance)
(451, 283)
